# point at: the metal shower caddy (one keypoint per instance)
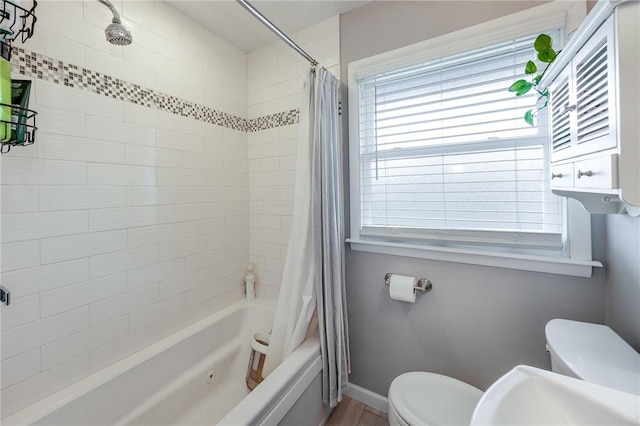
(21, 22)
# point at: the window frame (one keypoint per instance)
(574, 257)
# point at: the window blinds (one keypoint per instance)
(444, 147)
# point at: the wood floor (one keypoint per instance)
(353, 413)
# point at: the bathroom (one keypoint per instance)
(127, 222)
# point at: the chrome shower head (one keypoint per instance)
(116, 33)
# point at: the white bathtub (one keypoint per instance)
(166, 383)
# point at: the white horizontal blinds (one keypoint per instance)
(443, 145)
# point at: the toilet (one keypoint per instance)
(593, 353)
(590, 352)
(421, 398)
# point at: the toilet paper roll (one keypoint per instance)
(401, 288)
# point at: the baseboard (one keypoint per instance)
(367, 397)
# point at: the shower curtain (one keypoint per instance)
(313, 278)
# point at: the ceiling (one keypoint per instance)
(232, 22)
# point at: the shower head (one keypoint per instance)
(116, 33)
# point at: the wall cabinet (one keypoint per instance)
(594, 121)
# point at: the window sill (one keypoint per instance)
(523, 262)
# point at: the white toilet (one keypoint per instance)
(593, 353)
(420, 398)
(590, 352)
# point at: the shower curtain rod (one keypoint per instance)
(260, 17)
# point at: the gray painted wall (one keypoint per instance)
(623, 277)
(478, 322)
(381, 26)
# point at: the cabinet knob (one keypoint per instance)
(556, 175)
(567, 108)
(587, 173)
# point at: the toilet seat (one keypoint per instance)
(421, 398)
(395, 419)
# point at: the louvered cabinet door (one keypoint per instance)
(595, 93)
(561, 120)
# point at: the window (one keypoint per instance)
(445, 153)
(442, 159)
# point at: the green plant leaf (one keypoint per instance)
(528, 117)
(524, 89)
(521, 87)
(548, 55)
(530, 68)
(517, 86)
(542, 43)
(537, 79)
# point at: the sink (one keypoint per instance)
(531, 396)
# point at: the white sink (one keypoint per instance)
(531, 396)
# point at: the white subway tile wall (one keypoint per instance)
(275, 84)
(126, 223)
(122, 224)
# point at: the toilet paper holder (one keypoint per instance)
(423, 284)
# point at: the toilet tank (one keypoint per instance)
(594, 353)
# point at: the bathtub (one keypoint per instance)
(193, 377)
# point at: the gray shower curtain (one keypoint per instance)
(328, 231)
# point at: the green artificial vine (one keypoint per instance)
(547, 55)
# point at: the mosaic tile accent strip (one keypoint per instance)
(274, 120)
(35, 65)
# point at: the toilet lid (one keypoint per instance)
(422, 398)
